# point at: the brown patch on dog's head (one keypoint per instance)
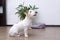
(26, 12)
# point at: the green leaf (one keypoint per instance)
(21, 5)
(30, 6)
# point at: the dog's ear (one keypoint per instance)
(26, 12)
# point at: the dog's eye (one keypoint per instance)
(30, 11)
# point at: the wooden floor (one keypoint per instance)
(49, 33)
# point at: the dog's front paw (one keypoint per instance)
(26, 35)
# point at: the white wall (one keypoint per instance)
(48, 12)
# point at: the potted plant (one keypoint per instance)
(21, 9)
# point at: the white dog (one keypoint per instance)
(23, 25)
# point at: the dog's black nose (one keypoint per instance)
(36, 12)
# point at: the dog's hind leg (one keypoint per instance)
(12, 35)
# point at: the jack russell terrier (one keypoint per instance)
(23, 25)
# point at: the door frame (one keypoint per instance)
(3, 16)
(4, 10)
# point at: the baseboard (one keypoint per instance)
(5, 25)
(45, 25)
(9, 25)
(52, 25)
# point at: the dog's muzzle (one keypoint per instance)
(35, 13)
